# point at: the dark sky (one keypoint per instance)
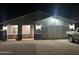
(12, 10)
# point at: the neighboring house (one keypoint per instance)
(38, 23)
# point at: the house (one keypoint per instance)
(37, 23)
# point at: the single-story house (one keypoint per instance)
(37, 23)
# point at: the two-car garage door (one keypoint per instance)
(54, 32)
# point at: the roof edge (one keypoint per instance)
(23, 16)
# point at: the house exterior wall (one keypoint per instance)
(53, 28)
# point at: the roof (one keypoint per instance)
(27, 19)
(66, 19)
(60, 17)
(31, 18)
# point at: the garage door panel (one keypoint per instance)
(51, 32)
(60, 32)
(57, 32)
(44, 32)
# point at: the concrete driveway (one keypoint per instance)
(39, 47)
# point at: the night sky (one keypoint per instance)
(12, 10)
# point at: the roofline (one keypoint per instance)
(22, 16)
(66, 18)
(61, 17)
(35, 12)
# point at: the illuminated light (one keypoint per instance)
(52, 19)
(38, 27)
(4, 28)
(72, 27)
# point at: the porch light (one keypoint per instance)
(38, 27)
(72, 27)
(4, 28)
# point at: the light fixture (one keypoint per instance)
(4, 28)
(52, 19)
(38, 27)
(72, 27)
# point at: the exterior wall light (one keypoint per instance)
(4, 28)
(72, 27)
(53, 20)
(38, 27)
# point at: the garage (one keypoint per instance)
(57, 32)
(55, 27)
(54, 32)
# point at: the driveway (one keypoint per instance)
(39, 47)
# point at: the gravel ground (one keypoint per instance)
(39, 47)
